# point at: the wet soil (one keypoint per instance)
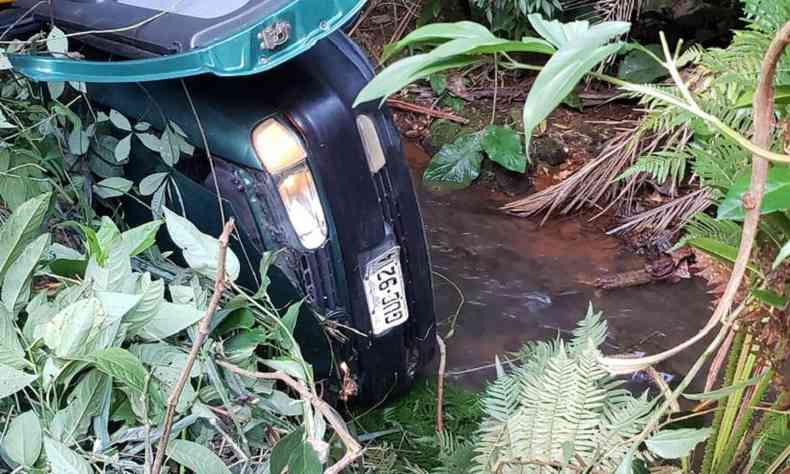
(520, 281)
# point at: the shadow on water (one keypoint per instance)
(523, 282)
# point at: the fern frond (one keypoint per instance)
(590, 331)
(704, 226)
(771, 445)
(718, 163)
(661, 166)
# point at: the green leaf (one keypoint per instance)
(138, 239)
(123, 148)
(675, 444)
(21, 228)
(725, 252)
(267, 260)
(451, 54)
(197, 458)
(639, 67)
(22, 442)
(120, 121)
(289, 366)
(123, 366)
(112, 187)
(151, 141)
(170, 318)
(83, 403)
(13, 380)
(68, 331)
(438, 83)
(79, 141)
(723, 392)
(457, 163)
(56, 88)
(284, 449)
(12, 354)
(777, 194)
(305, 460)
(784, 252)
(57, 42)
(781, 96)
(580, 49)
(152, 182)
(17, 279)
(63, 460)
(438, 32)
(200, 250)
(770, 298)
(503, 145)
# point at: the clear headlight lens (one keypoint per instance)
(300, 197)
(277, 146)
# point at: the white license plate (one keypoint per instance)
(385, 292)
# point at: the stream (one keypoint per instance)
(521, 282)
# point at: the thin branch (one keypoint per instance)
(440, 384)
(419, 109)
(204, 327)
(353, 448)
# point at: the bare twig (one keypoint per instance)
(440, 384)
(752, 199)
(203, 331)
(419, 109)
(353, 448)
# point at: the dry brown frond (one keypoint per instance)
(673, 214)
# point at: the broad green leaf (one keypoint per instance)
(17, 278)
(639, 67)
(138, 239)
(457, 163)
(57, 42)
(453, 53)
(22, 442)
(169, 148)
(577, 34)
(200, 250)
(267, 260)
(120, 121)
(153, 295)
(284, 449)
(723, 392)
(113, 274)
(241, 318)
(83, 403)
(151, 141)
(503, 146)
(123, 366)
(21, 228)
(678, 443)
(152, 182)
(581, 47)
(770, 298)
(438, 32)
(781, 96)
(170, 319)
(112, 187)
(63, 460)
(68, 331)
(784, 252)
(123, 148)
(725, 252)
(777, 194)
(78, 141)
(197, 458)
(240, 347)
(305, 460)
(56, 88)
(12, 354)
(13, 380)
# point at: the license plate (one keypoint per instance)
(385, 292)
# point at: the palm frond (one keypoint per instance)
(663, 166)
(671, 215)
(772, 445)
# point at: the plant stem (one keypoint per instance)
(204, 327)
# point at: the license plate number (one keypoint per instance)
(385, 292)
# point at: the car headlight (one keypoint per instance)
(281, 152)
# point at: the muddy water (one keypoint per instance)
(520, 281)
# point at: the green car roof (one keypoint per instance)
(268, 33)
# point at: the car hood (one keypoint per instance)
(167, 39)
